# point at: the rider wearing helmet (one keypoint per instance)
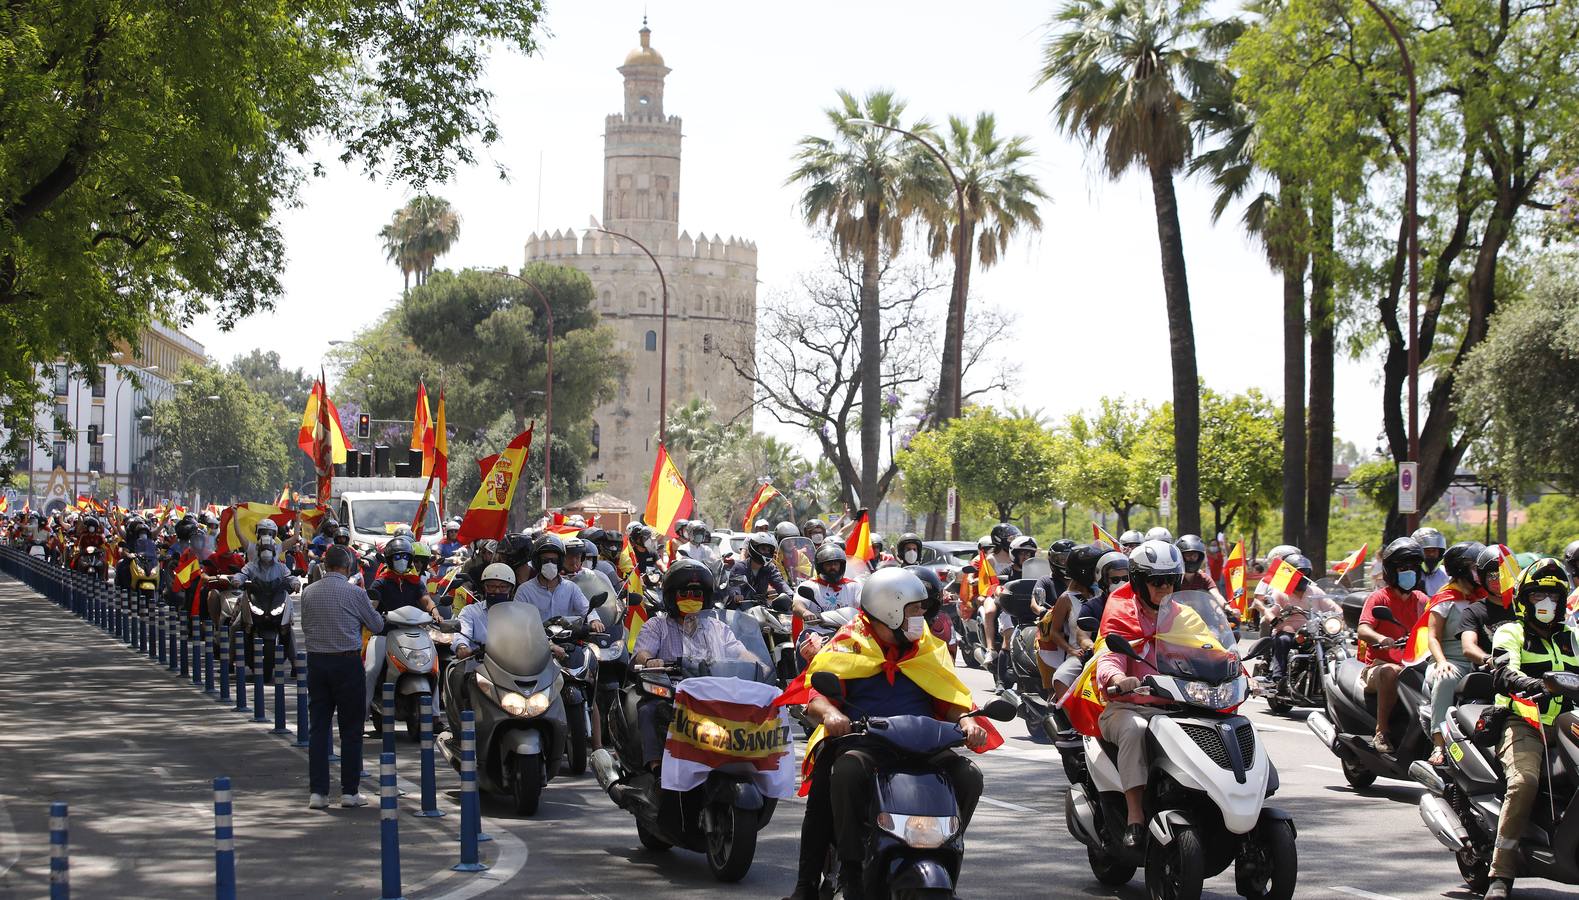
(1002, 561)
(829, 589)
(1022, 549)
(497, 585)
(1381, 640)
(784, 530)
(1538, 641)
(1155, 571)
(1446, 630)
(397, 582)
(553, 595)
(1197, 577)
(756, 577)
(1058, 557)
(907, 550)
(892, 626)
(1291, 612)
(1129, 540)
(1260, 601)
(1058, 637)
(1160, 533)
(269, 575)
(1485, 615)
(1112, 577)
(450, 548)
(815, 531)
(1433, 546)
(881, 556)
(701, 544)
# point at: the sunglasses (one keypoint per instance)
(693, 593)
(1162, 580)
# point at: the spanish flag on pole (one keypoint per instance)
(1351, 562)
(1234, 577)
(764, 493)
(238, 524)
(859, 544)
(310, 417)
(489, 512)
(185, 571)
(1507, 575)
(422, 429)
(1100, 535)
(1284, 578)
(668, 497)
(986, 575)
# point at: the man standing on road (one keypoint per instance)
(334, 612)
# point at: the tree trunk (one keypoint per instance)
(936, 524)
(1294, 400)
(1502, 517)
(1181, 341)
(871, 361)
(1323, 354)
(951, 370)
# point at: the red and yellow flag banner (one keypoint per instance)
(764, 493)
(859, 544)
(185, 571)
(1100, 535)
(239, 524)
(986, 574)
(733, 725)
(1419, 646)
(422, 429)
(489, 512)
(441, 449)
(1234, 577)
(320, 411)
(635, 612)
(1507, 575)
(1527, 710)
(668, 497)
(1284, 578)
(1351, 562)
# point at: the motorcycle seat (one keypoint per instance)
(1348, 682)
(1467, 716)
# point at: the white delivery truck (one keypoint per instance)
(374, 507)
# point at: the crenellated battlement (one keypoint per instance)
(617, 120)
(558, 244)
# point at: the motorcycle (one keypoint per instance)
(1321, 641)
(1349, 721)
(90, 561)
(410, 660)
(720, 817)
(916, 848)
(1018, 677)
(579, 671)
(513, 686)
(1207, 785)
(262, 617)
(1465, 795)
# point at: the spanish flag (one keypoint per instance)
(986, 575)
(1102, 537)
(668, 497)
(764, 493)
(1351, 562)
(1234, 577)
(635, 616)
(1284, 578)
(306, 434)
(285, 496)
(239, 524)
(1507, 575)
(422, 429)
(441, 449)
(859, 544)
(185, 571)
(489, 512)
(1419, 646)
(1529, 712)
(5, 504)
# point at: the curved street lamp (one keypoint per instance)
(663, 341)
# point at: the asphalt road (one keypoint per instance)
(133, 750)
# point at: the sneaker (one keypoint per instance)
(351, 801)
(317, 801)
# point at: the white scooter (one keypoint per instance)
(1206, 789)
(405, 655)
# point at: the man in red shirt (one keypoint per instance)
(1383, 642)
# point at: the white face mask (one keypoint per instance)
(911, 557)
(915, 627)
(549, 571)
(817, 539)
(1546, 611)
(266, 557)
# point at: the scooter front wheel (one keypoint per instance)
(527, 786)
(1357, 776)
(1174, 871)
(1268, 865)
(1107, 868)
(731, 843)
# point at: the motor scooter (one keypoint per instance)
(513, 686)
(1206, 790)
(579, 670)
(410, 659)
(262, 617)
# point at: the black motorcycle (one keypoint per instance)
(579, 684)
(1322, 641)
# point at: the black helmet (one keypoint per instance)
(934, 586)
(577, 547)
(342, 535)
(1058, 553)
(1546, 575)
(591, 534)
(785, 530)
(329, 525)
(830, 554)
(1002, 534)
(186, 529)
(701, 533)
(1081, 566)
(208, 519)
(909, 537)
(1571, 559)
(515, 549)
(1023, 543)
(686, 573)
(1130, 539)
(1300, 562)
(1487, 562)
(1189, 546)
(545, 544)
(1402, 555)
(762, 546)
(1459, 561)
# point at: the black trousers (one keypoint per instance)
(335, 689)
(839, 804)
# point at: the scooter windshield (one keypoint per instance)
(728, 644)
(796, 558)
(1190, 644)
(517, 642)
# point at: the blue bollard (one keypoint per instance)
(118, 616)
(59, 861)
(177, 640)
(389, 826)
(388, 705)
(192, 637)
(302, 717)
(279, 688)
(241, 683)
(430, 801)
(223, 640)
(258, 712)
(158, 621)
(139, 632)
(471, 813)
(208, 656)
(224, 843)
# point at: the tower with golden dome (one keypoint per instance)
(712, 283)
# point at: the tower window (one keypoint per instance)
(644, 100)
(651, 341)
(597, 442)
(707, 343)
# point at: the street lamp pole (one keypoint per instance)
(663, 340)
(952, 395)
(548, 387)
(186, 485)
(1411, 201)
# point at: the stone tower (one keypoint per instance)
(711, 283)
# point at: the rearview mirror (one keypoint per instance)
(1116, 644)
(1383, 614)
(1088, 624)
(598, 599)
(828, 684)
(806, 591)
(999, 710)
(782, 604)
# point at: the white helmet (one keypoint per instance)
(886, 592)
(1281, 551)
(1159, 534)
(498, 572)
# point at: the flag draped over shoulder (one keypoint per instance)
(854, 652)
(1234, 577)
(490, 508)
(1084, 702)
(859, 544)
(764, 493)
(729, 725)
(1419, 645)
(668, 497)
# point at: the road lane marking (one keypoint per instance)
(161, 771)
(1324, 768)
(1356, 892)
(1261, 727)
(1003, 804)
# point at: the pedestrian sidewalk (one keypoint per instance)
(134, 749)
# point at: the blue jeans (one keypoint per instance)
(335, 687)
(1282, 643)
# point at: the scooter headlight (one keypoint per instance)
(420, 659)
(255, 610)
(1215, 696)
(525, 707)
(919, 831)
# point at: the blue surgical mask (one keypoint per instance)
(1407, 580)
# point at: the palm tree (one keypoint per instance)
(866, 185)
(420, 232)
(1126, 71)
(1000, 200)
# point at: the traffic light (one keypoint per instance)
(364, 425)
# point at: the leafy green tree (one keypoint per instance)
(212, 424)
(700, 442)
(928, 472)
(1552, 523)
(421, 231)
(288, 388)
(1110, 458)
(1126, 71)
(1008, 461)
(866, 185)
(1243, 467)
(146, 146)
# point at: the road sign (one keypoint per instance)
(1408, 488)
(953, 509)
(1165, 496)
